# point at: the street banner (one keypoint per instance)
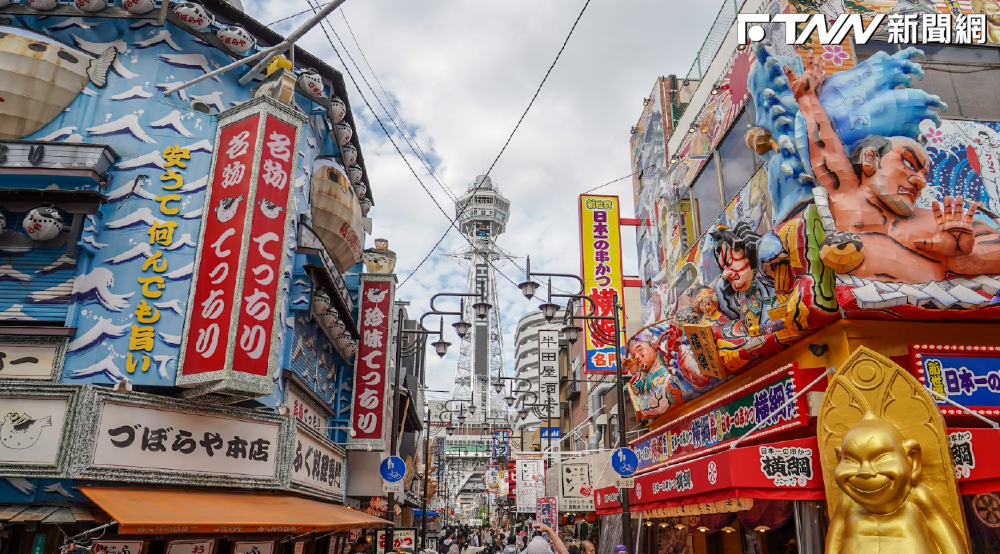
(530, 483)
(370, 402)
(601, 260)
(547, 511)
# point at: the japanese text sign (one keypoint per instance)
(401, 538)
(27, 361)
(600, 240)
(547, 511)
(530, 483)
(369, 407)
(575, 487)
(237, 302)
(191, 547)
(263, 547)
(727, 419)
(969, 375)
(137, 437)
(548, 374)
(318, 466)
(119, 547)
(501, 443)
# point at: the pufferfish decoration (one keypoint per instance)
(338, 109)
(91, 5)
(193, 16)
(236, 39)
(138, 6)
(43, 223)
(43, 4)
(312, 84)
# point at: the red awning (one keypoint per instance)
(974, 453)
(788, 470)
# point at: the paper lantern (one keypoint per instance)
(43, 223)
(336, 329)
(320, 302)
(193, 16)
(344, 132)
(355, 173)
(312, 84)
(351, 349)
(360, 189)
(91, 5)
(342, 341)
(43, 4)
(138, 6)
(4, 3)
(366, 206)
(349, 153)
(338, 109)
(236, 38)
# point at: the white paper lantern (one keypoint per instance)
(193, 16)
(338, 109)
(91, 5)
(342, 341)
(355, 173)
(336, 330)
(344, 133)
(312, 84)
(360, 189)
(366, 206)
(4, 3)
(349, 153)
(138, 6)
(43, 223)
(236, 38)
(43, 4)
(351, 349)
(320, 302)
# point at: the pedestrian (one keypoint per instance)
(588, 548)
(537, 545)
(360, 545)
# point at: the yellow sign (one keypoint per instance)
(600, 235)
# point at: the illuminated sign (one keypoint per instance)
(600, 235)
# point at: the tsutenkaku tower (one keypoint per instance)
(482, 216)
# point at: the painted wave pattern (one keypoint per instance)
(133, 117)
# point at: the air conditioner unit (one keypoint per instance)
(572, 390)
(564, 408)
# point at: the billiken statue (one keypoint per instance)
(885, 509)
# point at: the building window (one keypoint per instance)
(965, 77)
(706, 193)
(738, 161)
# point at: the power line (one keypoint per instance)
(619, 179)
(389, 136)
(291, 16)
(415, 145)
(502, 150)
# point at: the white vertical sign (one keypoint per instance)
(530, 483)
(548, 375)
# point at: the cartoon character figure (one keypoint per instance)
(19, 431)
(653, 388)
(885, 506)
(873, 192)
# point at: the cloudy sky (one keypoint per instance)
(460, 73)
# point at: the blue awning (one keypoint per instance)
(420, 513)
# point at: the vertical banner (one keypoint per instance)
(530, 483)
(370, 403)
(601, 261)
(501, 443)
(548, 376)
(236, 305)
(547, 512)
(491, 478)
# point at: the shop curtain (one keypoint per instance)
(767, 513)
(982, 515)
(810, 526)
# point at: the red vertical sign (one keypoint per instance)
(255, 323)
(371, 374)
(211, 308)
(546, 511)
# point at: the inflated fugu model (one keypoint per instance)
(39, 78)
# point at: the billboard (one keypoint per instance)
(601, 260)
(370, 406)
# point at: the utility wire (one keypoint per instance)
(293, 15)
(389, 136)
(502, 150)
(619, 179)
(413, 137)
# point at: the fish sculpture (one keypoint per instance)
(20, 431)
(40, 76)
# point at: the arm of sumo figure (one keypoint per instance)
(946, 534)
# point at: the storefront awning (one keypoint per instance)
(140, 510)
(788, 470)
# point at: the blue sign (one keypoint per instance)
(970, 378)
(392, 469)
(551, 432)
(624, 461)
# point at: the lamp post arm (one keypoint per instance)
(454, 295)
(562, 275)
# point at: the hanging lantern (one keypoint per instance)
(344, 133)
(342, 341)
(4, 3)
(351, 349)
(355, 173)
(193, 16)
(43, 4)
(320, 302)
(91, 5)
(236, 38)
(312, 84)
(349, 153)
(336, 329)
(138, 6)
(360, 189)
(338, 109)
(43, 223)
(366, 206)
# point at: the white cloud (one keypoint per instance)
(460, 74)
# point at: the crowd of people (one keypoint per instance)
(542, 540)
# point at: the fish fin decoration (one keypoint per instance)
(99, 67)
(45, 421)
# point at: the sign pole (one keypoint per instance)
(622, 443)
(427, 466)
(393, 437)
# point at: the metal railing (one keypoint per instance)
(710, 48)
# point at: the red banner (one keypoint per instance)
(256, 322)
(211, 305)
(369, 408)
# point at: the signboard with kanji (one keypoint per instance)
(601, 260)
(318, 466)
(530, 483)
(548, 374)
(237, 299)
(370, 402)
(547, 511)
(968, 375)
(401, 538)
(729, 418)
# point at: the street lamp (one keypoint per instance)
(528, 289)
(616, 309)
(572, 333)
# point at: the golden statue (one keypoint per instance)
(890, 484)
